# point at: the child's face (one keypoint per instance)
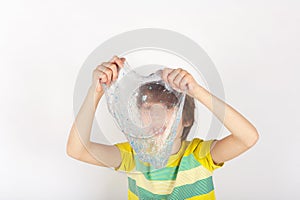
(158, 115)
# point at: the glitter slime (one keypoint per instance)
(148, 111)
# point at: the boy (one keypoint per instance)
(188, 173)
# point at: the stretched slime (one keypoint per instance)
(147, 110)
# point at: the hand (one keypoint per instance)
(107, 72)
(180, 80)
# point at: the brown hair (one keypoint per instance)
(156, 92)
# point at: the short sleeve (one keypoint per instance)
(127, 162)
(203, 155)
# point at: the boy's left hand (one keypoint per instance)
(180, 80)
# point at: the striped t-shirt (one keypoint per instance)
(187, 175)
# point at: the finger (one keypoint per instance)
(165, 73)
(178, 78)
(120, 62)
(184, 82)
(123, 59)
(104, 67)
(113, 58)
(100, 72)
(109, 73)
(100, 76)
(114, 69)
(172, 76)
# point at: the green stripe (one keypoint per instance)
(168, 173)
(200, 187)
(189, 162)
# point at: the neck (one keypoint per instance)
(177, 141)
(176, 145)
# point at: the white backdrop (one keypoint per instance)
(255, 47)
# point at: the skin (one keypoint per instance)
(243, 134)
(168, 117)
(177, 141)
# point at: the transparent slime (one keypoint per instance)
(148, 111)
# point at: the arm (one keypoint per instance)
(243, 134)
(79, 145)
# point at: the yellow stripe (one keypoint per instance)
(166, 187)
(208, 196)
(132, 196)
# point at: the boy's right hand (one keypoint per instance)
(106, 73)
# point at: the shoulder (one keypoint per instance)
(201, 149)
(194, 144)
(125, 146)
(127, 156)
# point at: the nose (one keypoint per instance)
(158, 115)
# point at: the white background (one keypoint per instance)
(255, 47)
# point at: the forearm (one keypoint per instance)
(239, 126)
(84, 120)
